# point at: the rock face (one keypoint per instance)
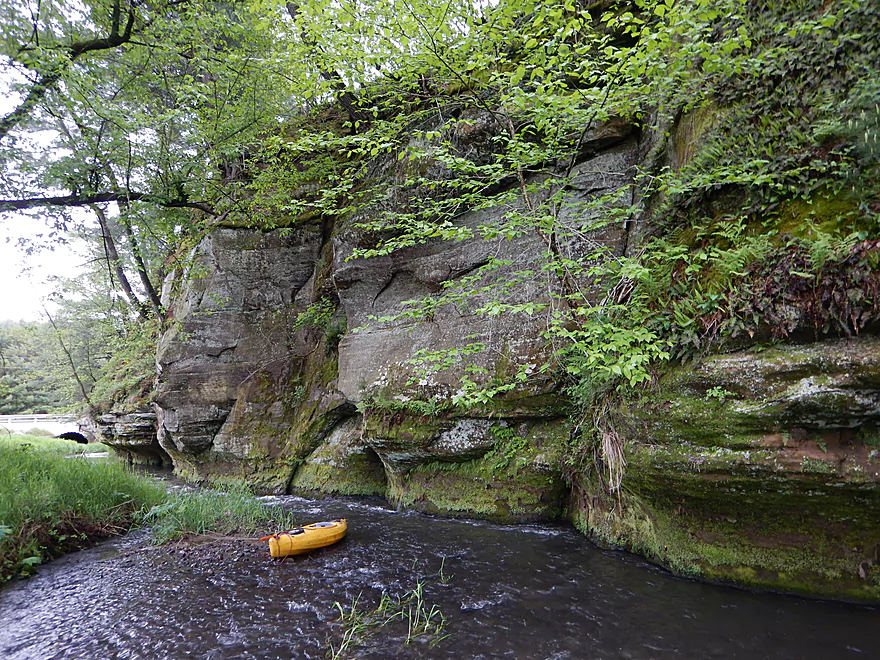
(132, 436)
(759, 468)
(755, 467)
(241, 394)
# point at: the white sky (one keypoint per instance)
(24, 278)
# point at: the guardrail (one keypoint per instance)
(35, 419)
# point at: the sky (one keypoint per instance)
(24, 279)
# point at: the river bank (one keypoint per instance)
(527, 592)
(53, 502)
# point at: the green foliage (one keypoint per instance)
(508, 445)
(318, 315)
(234, 510)
(26, 385)
(391, 121)
(378, 405)
(50, 504)
(324, 315)
(816, 466)
(719, 393)
(731, 251)
(125, 380)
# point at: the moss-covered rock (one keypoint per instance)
(757, 468)
(342, 465)
(500, 470)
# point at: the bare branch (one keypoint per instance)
(97, 198)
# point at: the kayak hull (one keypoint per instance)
(307, 538)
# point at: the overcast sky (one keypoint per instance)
(24, 280)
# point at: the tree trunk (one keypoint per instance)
(115, 264)
(143, 273)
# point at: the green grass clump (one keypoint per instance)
(51, 504)
(234, 511)
(41, 442)
(411, 613)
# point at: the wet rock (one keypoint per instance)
(343, 465)
(754, 467)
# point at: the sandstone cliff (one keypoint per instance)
(753, 457)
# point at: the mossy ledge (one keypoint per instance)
(758, 468)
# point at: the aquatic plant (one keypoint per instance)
(424, 621)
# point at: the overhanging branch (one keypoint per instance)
(86, 200)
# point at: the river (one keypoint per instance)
(505, 592)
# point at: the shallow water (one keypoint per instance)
(505, 592)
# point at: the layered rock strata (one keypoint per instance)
(759, 468)
(132, 436)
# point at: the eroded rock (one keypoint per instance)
(132, 435)
(756, 467)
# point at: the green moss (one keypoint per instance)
(342, 465)
(821, 213)
(519, 479)
(817, 466)
(737, 525)
(692, 131)
(265, 475)
(363, 480)
(531, 495)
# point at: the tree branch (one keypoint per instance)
(70, 360)
(48, 79)
(346, 99)
(97, 198)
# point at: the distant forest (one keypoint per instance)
(29, 381)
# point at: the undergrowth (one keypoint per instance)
(51, 504)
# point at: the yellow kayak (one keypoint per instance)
(305, 538)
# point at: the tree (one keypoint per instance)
(26, 385)
(127, 107)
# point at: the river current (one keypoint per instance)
(525, 592)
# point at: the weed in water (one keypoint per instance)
(417, 620)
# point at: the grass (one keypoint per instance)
(51, 504)
(234, 511)
(47, 443)
(412, 614)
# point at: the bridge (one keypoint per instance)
(55, 424)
